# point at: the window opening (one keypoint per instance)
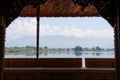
(21, 38)
(76, 37)
(61, 37)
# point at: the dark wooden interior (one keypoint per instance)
(43, 63)
(59, 63)
(59, 69)
(100, 63)
(59, 74)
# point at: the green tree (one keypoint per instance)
(98, 48)
(78, 48)
(45, 47)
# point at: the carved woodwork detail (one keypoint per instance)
(15, 7)
(63, 8)
(104, 7)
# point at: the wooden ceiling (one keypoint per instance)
(59, 8)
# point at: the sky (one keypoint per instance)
(60, 32)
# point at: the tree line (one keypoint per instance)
(76, 48)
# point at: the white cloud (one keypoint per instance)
(21, 27)
(92, 35)
(27, 27)
(47, 30)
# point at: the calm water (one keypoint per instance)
(82, 55)
(85, 54)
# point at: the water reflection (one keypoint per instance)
(65, 54)
(78, 53)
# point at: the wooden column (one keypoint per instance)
(2, 41)
(2, 34)
(37, 42)
(117, 42)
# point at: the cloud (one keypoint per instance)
(47, 30)
(22, 31)
(27, 27)
(21, 27)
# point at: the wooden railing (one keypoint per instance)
(60, 63)
(59, 69)
(100, 63)
(43, 63)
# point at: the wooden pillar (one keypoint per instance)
(37, 41)
(2, 41)
(117, 42)
(2, 32)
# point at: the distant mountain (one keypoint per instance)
(61, 42)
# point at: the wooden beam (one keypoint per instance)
(117, 42)
(2, 36)
(37, 42)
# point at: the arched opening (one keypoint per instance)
(101, 73)
(21, 38)
(59, 37)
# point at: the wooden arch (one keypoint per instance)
(108, 9)
(61, 8)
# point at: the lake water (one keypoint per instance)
(83, 55)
